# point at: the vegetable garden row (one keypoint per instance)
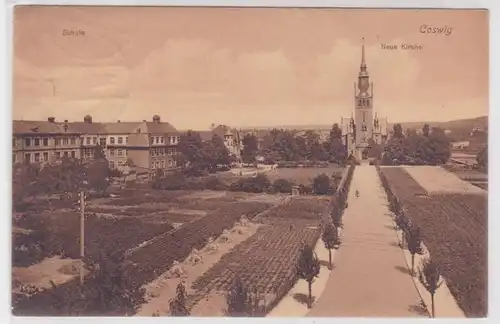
(265, 262)
(454, 229)
(59, 234)
(156, 258)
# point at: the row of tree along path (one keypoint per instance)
(370, 277)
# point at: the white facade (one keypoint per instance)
(364, 126)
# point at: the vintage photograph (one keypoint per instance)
(249, 162)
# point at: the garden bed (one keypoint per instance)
(454, 229)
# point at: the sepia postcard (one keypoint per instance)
(249, 162)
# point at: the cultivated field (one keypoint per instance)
(453, 223)
(438, 180)
(154, 230)
(266, 260)
(303, 176)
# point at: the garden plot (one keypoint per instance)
(438, 180)
(39, 275)
(303, 176)
(265, 198)
(454, 229)
(206, 194)
(265, 262)
(188, 270)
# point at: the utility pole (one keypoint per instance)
(82, 233)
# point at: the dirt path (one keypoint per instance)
(371, 277)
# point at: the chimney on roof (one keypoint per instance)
(51, 120)
(87, 119)
(156, 119)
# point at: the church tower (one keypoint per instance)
(363, 129)
(363, 115)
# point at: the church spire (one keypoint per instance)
(363, 62)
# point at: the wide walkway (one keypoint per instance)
(370, 278)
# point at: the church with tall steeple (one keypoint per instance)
(363, 128)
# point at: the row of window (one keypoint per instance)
(162, 151)
(89, 152)
(28, 142)
(89, 140)
(119, 140)
(113, 164)
(161, 140)
(364, 102)
(119, 152)
(44, 157)
(161, 164)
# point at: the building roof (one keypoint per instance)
(47, 127)
(221, 130)
(120, 127)
(160, 128)
(88, 128)
(41, 127)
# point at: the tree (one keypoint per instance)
(414, 242)
(25, 185)
(114, 289)
(321, 184)
(375, 150)
(239, 300)
(337, 151)
(482, 158)
(331, 240)
(308, 268)
(426, 130)
(313, 147)
(250, 148)
(394, 151)
(218, 151)
(98, 173)
(402, 224)
(336, 215)
(397, 131)
(190, 150)
(178, 305)
(439, 147)
(430, 277)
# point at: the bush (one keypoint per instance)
(257, 184)
(283, 186)
(321, 184)
(305, 190)
(173, 181)
(214, 183)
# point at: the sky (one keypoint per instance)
(245, 66)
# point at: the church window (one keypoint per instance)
(363, 128)
(364, 116)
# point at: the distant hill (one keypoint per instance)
(466, 124)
